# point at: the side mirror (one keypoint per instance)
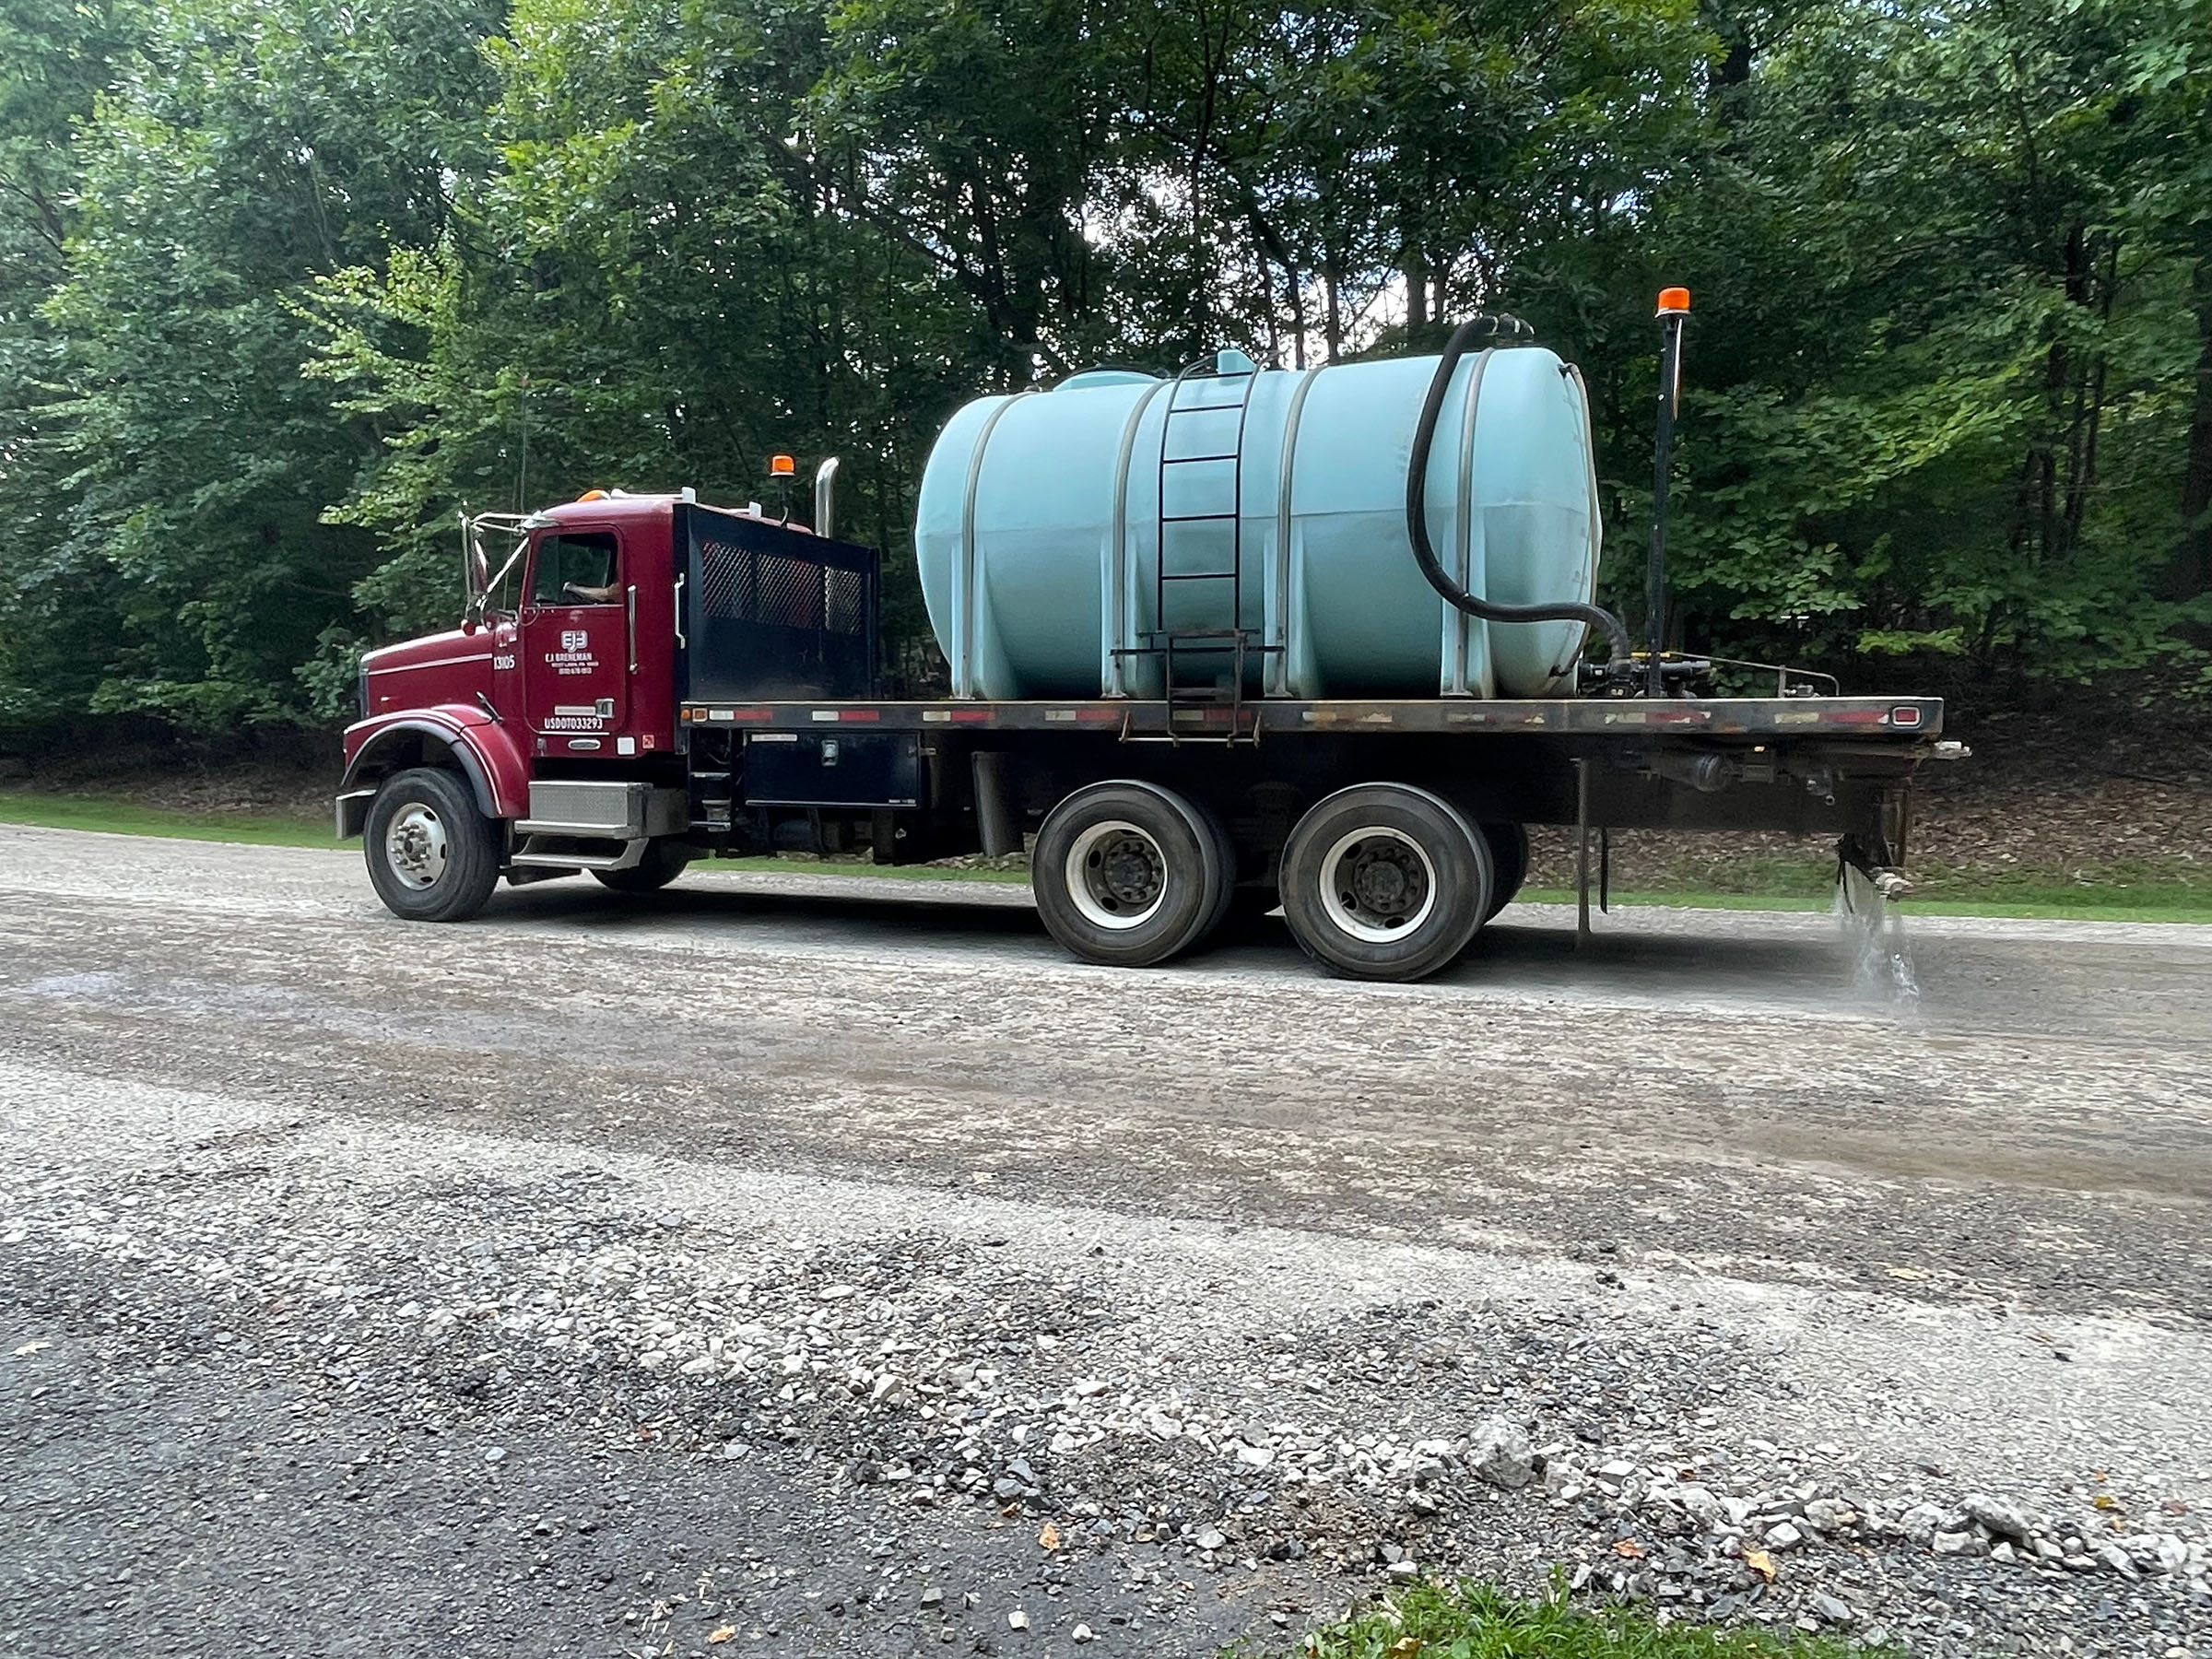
(475, 576)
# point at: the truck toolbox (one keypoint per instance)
(617, 811)
(833, 768)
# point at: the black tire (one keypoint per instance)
(1384, 881)
(431, 855)
(1509, 865)
(1129, 874)
(1225, 850)
(665, 859)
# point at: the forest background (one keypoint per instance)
(285, 283)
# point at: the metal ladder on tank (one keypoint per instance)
(1186, 647)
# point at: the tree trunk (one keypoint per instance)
(1274, 247)
(1331, 316)
(1333, 319)
(1727, 80)
(2190, 575)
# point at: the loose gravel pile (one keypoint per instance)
(1097, 1398)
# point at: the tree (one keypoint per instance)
(242, 150)
(1930, 420)
(660, 283)
(283, 286)
(53, 64)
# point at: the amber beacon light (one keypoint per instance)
(1674, 311)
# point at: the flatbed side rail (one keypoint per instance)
(1901, 720)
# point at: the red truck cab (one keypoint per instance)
(572, 656)
(540, 737)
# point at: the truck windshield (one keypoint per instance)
(576, 569)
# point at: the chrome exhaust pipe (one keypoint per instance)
(825, 498)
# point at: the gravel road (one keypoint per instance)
(825, 1266)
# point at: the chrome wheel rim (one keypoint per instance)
(1378, 885)
(1117, 874)
(415, 846)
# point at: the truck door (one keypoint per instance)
(575, 641)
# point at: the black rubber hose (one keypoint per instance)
(1482, 326)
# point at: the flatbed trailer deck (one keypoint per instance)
(1912, 719)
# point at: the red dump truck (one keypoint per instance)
(639, 681)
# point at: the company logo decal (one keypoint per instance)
(575, 655)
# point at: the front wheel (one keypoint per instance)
(664, 860)
(1129, 874)
(432, 856)
(1384, 881)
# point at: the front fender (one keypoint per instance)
(494, 762)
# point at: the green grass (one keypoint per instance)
(2120, 894)
(1475, 1622)
(122, 818)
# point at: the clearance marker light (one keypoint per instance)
(593, 495)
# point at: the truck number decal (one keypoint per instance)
(502, 662)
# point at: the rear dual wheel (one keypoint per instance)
(1509, 863)
(1129, 874)
(1384, 881)
(665, 858)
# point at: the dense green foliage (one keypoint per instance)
(283, 283)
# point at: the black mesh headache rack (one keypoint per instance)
(768, 611)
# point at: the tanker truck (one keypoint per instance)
(1217, 642)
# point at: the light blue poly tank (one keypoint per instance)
(1039, 528)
